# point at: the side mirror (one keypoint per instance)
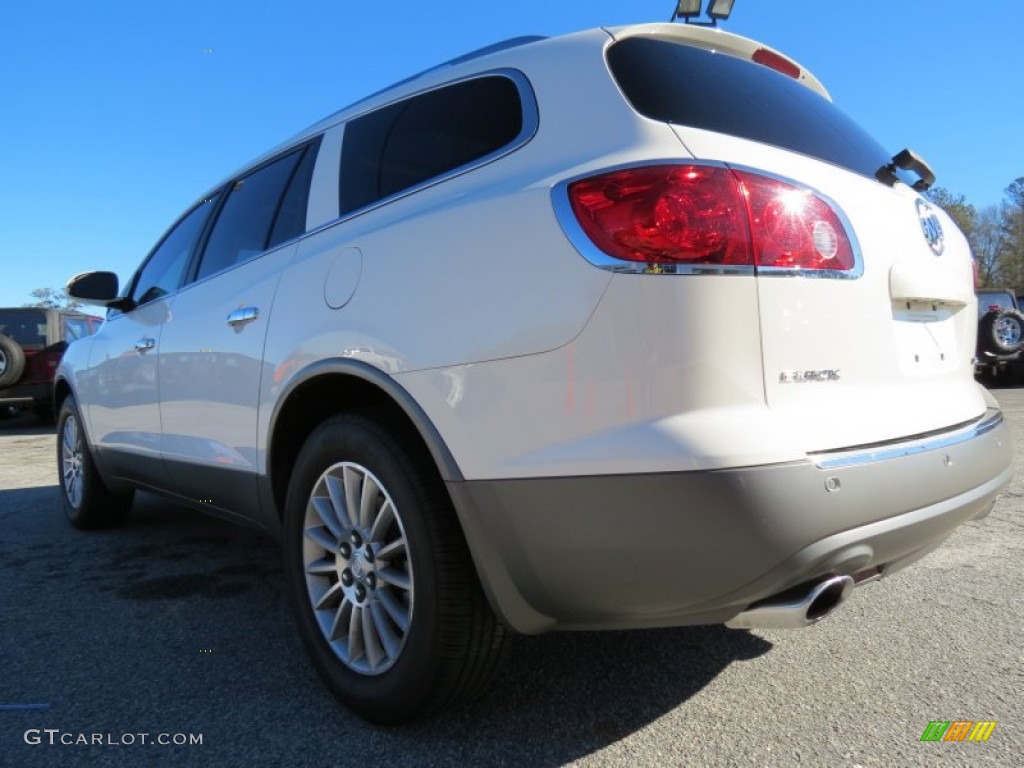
(97, 288)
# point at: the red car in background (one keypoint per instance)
(32, 342)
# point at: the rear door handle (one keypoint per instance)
(243, 315)
(145, 343)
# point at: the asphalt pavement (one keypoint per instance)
(176, 626)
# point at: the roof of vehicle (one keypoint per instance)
(710, 38)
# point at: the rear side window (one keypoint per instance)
(291, 218)
(426, 136)
(719, 92)
(28, 329)
(242, 229)
(164, 270)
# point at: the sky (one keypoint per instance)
(116, 115)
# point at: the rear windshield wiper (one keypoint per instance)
(907, 160)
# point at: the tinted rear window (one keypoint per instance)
(426, 136)
(719, 92)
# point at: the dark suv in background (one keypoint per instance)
(32, 342)
(1000, 353)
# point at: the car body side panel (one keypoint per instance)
(210, 377)
(119, 395)
(646, 387)
(451, 273)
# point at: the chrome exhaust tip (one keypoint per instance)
(797, 607)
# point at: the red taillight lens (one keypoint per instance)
(664, 214)
(793, 228)
(694, 214)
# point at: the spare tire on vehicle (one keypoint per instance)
(12, 361)
(1001, 331)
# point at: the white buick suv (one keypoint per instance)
(627, 328)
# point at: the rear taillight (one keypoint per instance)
(665, 214)
(709, 215)
(794, 228)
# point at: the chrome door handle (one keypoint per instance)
(243, 315)
(143, 344)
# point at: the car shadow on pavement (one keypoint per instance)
(206, 583)
(573, 693)
(24, 423)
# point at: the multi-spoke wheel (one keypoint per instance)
(358, 573)
(71, 460)
(88, 501)
(1009, 331)
(1001, 331)
(385, 593)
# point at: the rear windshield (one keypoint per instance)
(26, 328)
(719, 92)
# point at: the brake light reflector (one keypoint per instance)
(709, 215)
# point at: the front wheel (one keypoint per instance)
(380, 578)
(88, 502)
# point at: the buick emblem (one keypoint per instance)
(931, 227)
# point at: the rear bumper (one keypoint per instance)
(699, 547)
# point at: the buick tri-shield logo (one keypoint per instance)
(931, 227)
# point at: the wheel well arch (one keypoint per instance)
(330, 387)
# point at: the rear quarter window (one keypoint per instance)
(719, 92)
(426, 136)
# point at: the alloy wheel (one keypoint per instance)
(358, 570)
(71, 461)
(1009, 331)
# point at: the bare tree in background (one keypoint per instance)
(989, 247)
(52, 299)
(1012, 228)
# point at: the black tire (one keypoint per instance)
(12, 361)
(94, 505)
(1001, 331)
(452, 642)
